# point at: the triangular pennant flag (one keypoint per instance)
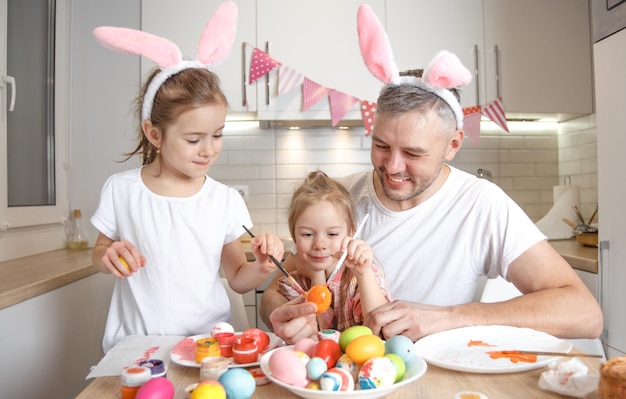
(261, 65)
(471, 123)
(312, 93)
(495, 112)
(340, 104)
(288, 79)
(368, 110)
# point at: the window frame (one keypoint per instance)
(16, 217)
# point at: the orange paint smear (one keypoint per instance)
(514, 356)
(478, 343)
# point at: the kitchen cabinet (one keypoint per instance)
(609, 66)
(183, 21)
(319, 40)
(419, 29)
(535, 54)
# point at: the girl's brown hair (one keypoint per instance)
(186, 90)
(317, 187)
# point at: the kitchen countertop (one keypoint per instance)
(27, 277)
(578, 256)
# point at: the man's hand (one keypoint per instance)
(294, 320)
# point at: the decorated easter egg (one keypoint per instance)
(222, 326)
(377, 372)
(303, 356)
(346, 363)
(238, 383)
(287, 367)
(315, 367)
(259, 336)
(208, 389)
(351, 333)
(398, 363)
(402, 346)
(328, 350)
(306, 345)
(336, 379)
(365, 347)
(156, 388)
(314, 385)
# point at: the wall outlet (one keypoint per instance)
(244, 191)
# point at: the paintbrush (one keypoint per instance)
(291, 280)
(579, 215)
(345, 253)
(593, 215)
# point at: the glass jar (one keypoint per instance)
(156, 366)
(245, 351)
(132, 379)
(207, 347)
(212, 367)
(76, 239)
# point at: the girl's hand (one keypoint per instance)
(360, 256)
(123, 259)
(263, 246)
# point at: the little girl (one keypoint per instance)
(321, 223)
(167, 227)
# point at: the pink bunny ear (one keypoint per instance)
(446, 71)
(218, 35)
(374, 44)
(130, 41)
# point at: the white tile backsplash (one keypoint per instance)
(526, 163)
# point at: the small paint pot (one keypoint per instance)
(212, 367)
(226, 341)
(156, 366)
(245, 350)
(206, 347)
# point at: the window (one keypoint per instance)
(33, 112)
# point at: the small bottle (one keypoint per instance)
(156, 366)
(132, 379)
(76, 238)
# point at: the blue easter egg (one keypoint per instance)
(315, 367)
(238, 383)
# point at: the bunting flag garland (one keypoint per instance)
(312, 93)
(368, 109)
(261, 65)
(288, 79)
(471, 123)
(495, 112)
(340, 104)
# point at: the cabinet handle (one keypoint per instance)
(244, 98)
(9, 80)
(267, 77)
(477, 83)
(496, 51)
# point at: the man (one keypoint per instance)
(435, 229)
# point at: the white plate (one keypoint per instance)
(415, 371)
(452, 350)
(184, 352)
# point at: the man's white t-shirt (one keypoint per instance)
(179, 291)
(436, 252)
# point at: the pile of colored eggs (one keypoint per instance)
(357, 360)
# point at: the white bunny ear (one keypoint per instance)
(130, 41)
(218, 35)
(375, 47)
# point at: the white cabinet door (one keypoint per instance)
(183, 21)
(544, 55)
(419, 29)
(610, 80)
(319, 40)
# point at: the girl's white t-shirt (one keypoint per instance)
(436, 252)
(178, 291)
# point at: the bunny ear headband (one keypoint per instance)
(444, 72)
(215, 44)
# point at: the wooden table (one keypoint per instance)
(437, 383)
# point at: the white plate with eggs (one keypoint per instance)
(414, 371)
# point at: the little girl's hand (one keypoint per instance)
(122, 258)
(263, 246)
(360, 256)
